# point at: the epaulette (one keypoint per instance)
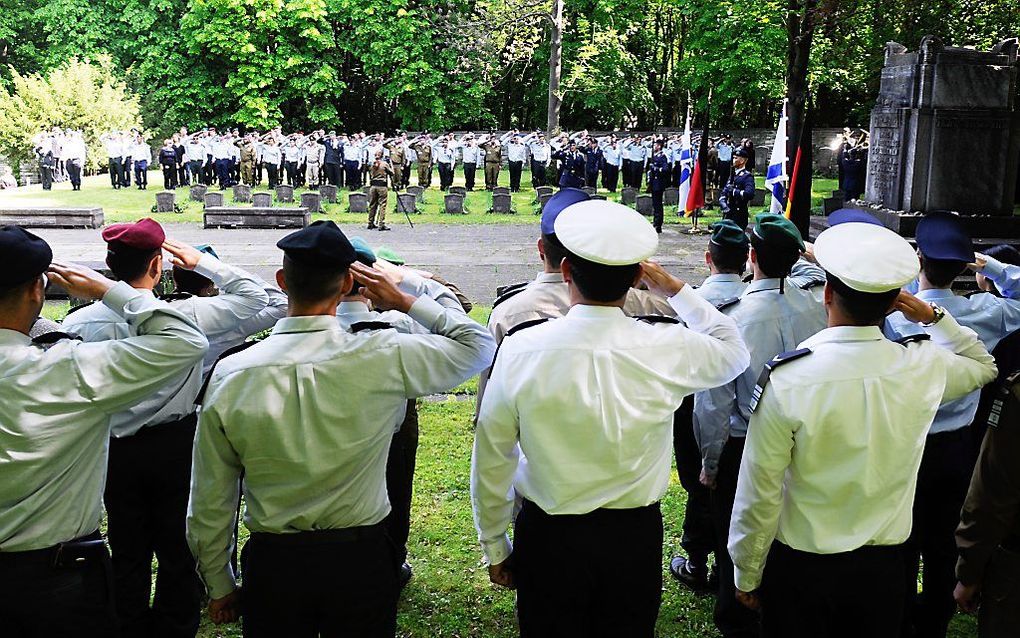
(223, 355)
(905, 341)
(524, 325)
(722, 305)
(653, 319)
(748, 278)
(814, 283)
(50, 338)
(502, 290)
(370, 325)
(79, 307)
(778, 360)
(507, 294)
(175, 296)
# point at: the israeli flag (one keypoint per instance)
(776, 178)
(686, 164)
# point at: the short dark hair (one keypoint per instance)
(772, 260)
(312, 283)
(941, 272)
(599, 282)
(728, 258)
(1004, 253)
(12, 294)
(127, 263)
(554, 250)
(190, 281)
(864, 308)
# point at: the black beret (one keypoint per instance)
(320, 244)
(742, 152)
(25, 256)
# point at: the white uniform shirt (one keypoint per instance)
(611, 155)
(443, 154)
(271, 155)
(223, 149)
(352, 152)
(834, 446)
(141, 152)
(540, 152)
(114, 147)
(56, 411)
(578, 413)
(75, 149)
(195, 151)
(634, 151)
(241, 297)
(470, 154)
(515, 152)
(314, 405)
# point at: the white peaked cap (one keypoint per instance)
(606, 233)
(867, 257)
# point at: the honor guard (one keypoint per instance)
(946, 253)
(576, 421)
(781, 307)
(59, 394)
(658, 180)
(318, 405)
(834, 444)
(572, 164)
(726, 258)
(739, 191)
(150, 449)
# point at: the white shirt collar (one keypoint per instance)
(583, 311)
(317, 323)
(843, 334)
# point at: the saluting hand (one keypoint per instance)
(79, 281)
(381, 290)
(226, 609)
(182, 255)
(913, 308)
(980, 261)
(659, 281)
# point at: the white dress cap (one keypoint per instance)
(867, 257)
(606, 233)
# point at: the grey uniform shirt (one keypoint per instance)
(55, 415)
(265, 319)
(307, 415)
(241, 297)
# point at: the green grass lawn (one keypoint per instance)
(129, 204)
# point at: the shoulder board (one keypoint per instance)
(922, 336)
(79, 307)
(524, 326)
(766, 373)
(506, 295)
(657, 319)
(502, 290)
(175, 296)
(814, 283)
(370, 325)
(223, 355)
(722, 305)
(51, 338)
(748, 278)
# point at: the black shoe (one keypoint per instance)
(384, 227)
(658, 229)
(695, 578)
(405, 576)
(372, 226)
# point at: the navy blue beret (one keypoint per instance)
(321, 244)
(852, 215)
(26, 256)
(941, 235)
(565, 197)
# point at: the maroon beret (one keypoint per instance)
(144, 234)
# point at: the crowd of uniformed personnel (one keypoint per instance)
(823, 402)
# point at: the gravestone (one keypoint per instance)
(213, 199)
(643, 204)
(165, 201)
(262, 200)
(453, 204)
(34, 217)
(499, 190)
(628, 196)
(312, 201)
(589, 189)
(671, 196)
(542, 190)
(197, 192)
(501, 203)
(759, 197)
(945, 130)
(242, 193)
(284, 193)
(328, 192)
(357, 202)
(253, 217)
(407, 203)
(833, 203)
(543, 200)
(417, 191)
(458, 190)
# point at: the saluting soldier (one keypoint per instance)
(572, 166)
(339, 396)
(150, 450)
(249, 155)
(423, 147)
(378, 174)
(658, 180)
(739, 191)
(576, 421)
(835, 442)
(398, 157)
(59, 395)
(493, 161)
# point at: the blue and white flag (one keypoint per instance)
(686, 164)
(776, 178)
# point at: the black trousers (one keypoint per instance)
(42, 599)
(223, 172)
(591, 178)
(537, 173)
(333, 174)
(610, 176)
(722, 173)
(195, 166)
(515, 176)
(142, 173)
(329, 583)
(445, 175)
(469, 176)
(146, 497)
(182, 175)
(615, 591)
(848, 595)
(732, 618)
(657, 213)
(209, 171)
(74, 174)
(942, 484)
(115, 170)
(169, 178)
(125, 172)
(738, 215)
(46, 177)
(698, 538)
(273, 173)
(353, 174)
(291, 168)
(400, 480)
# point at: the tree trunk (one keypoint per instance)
(555, 67)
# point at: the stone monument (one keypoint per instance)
(501, 203)
(453, 204)
(628, 196)
(643, 204)
(242, 193)
(213, 199)
(165, 201)
(262, 200)
(671, 196)
(328, 193)
(357, 202)
(458, 190)
(417, 191)
(501, 190)
(542, 190)
(407, 203)
(284, 193)
(197, 192)
(312, 201)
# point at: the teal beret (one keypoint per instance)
(777, 231)
(728, 233)
(363, 251)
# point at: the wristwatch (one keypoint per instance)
(939, 312)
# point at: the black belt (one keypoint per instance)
(319, 537)
(378, 182)
(59, 555)
(602, 512)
